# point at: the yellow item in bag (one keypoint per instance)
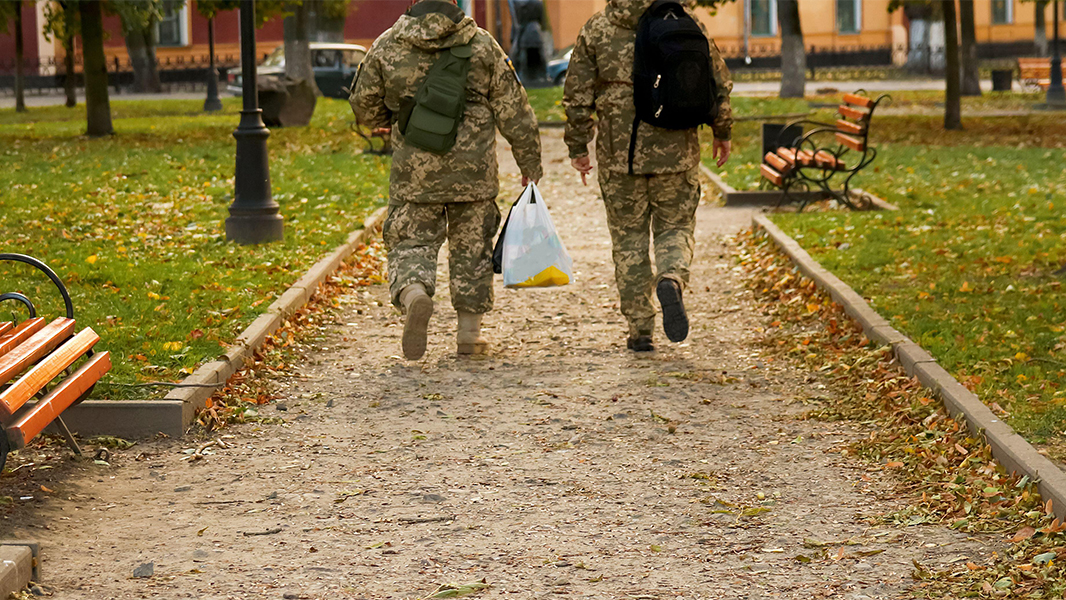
(549, 277)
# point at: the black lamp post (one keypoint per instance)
(254, 215)
(1056, 95)
(212, 103)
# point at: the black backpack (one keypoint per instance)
(673, 87)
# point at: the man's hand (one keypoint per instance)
(526, 180)
(583, 166)
(721, 150)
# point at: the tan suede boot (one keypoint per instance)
(469, 337)
(419, 308)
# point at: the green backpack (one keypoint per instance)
(430, 120)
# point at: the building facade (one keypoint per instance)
(741, 28)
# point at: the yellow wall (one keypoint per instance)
(818, 17)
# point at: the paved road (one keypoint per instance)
(561, 464)
(8, 101)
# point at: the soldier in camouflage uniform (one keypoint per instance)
(662, 194)
(450, 196)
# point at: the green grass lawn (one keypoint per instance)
(966, 268)
(548, 104)
(134, 224)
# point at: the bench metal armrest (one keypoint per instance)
(33, 262)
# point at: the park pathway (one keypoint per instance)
(562, 465)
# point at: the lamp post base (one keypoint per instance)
(255, 229)
(1056, 97)
(212, 103)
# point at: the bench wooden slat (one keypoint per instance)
(779, 164)
(769, 173)
(28, 352)
(851, 142)
(20, 334)
(857, 114)
(858, 100)
(789, 154)
(849, 127)
(806, 157)
(5, 326)
(58, 400)
(826, 159)
(36, 378)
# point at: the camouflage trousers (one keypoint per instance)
(639, 206)
(413, 235)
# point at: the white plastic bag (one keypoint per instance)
(533, 254)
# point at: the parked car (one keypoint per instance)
(334, 65)
(558, 66)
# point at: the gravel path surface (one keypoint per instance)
(560, 465)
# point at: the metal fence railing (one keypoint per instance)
(49, 76)
(915, 59)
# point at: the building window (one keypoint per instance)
(849, 16)
(763, 17)
(1002, 12)
(174, 26)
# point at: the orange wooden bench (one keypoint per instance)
(828, 156)
(47, 360)
(1034, 73)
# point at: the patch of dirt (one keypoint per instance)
(560, 465)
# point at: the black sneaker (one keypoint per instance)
(675, 319)
(641, 343)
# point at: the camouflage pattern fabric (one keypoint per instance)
(664, 205)
(393, 70)
(600, 81)
(413, 234)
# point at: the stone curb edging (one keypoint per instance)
(18, 566)
(176, 411)
(732, 197)
(1010, 449)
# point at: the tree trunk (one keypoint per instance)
(971, 76)
(952, 100)
(20, 81)
(142, 58)
(69, 82)
(297, 46)
(1040, 25)
(793, 54)
(97, 100)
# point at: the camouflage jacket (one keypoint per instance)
(600, 80)
(393, 70)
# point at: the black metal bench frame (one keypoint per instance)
(815, 174)
(22, 299)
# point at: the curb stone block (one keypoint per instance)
(255, 335)
(1010, 449)
(16, 569)
(235, 357)
(178, 408)
(866, 316)
(35, 552)
(885, 335)
(313, 278)
(289, 302)
(910, 355)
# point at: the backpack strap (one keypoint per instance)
(633, 143)
(427, 7)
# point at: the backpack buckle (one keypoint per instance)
(658, 79)
(658, 112)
